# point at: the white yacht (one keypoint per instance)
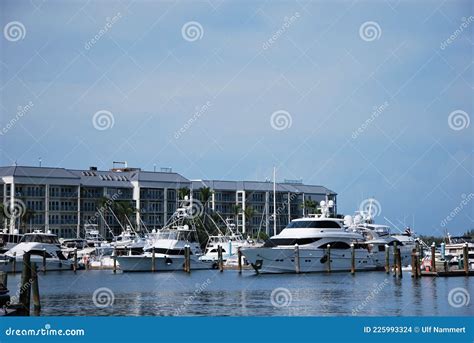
(8, 240)
(230, 241)
(454, 251)
(128, 241)
(38, 244)
(312, 235)
(168, 245)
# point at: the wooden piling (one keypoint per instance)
(220, 258)
(75, 260)
(387, 258)
(153, 258)
(414, 274)
(35, 290)
(465, 253)
(44, 261)
(297, 259)
(188, 258)
(14, 263)
(115, 260)
(352, 258)
(239, 260)
(433, 257)
(328, 252)
(395, 258)
(25, 289)
(399, 263)
(3, 281)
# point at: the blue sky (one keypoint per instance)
(321, 69)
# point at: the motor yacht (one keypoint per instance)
(41, 246)
(311, 235)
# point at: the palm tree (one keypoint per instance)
(205, 194)
(26, 217)
(236, 210)
(124, 210)
(249, 214)
(310, 206)
(183, 192)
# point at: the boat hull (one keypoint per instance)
(136, 263)
(282, 260)
(51, 264)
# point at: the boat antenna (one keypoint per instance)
(274, 203)
(118, 221)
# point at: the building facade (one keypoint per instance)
(64, 200)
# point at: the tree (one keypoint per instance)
(26, 217)
(205, 195)
(310, 206)
(123, 210)
(183, 192)
(249, 214)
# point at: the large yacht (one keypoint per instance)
(39, 245)
(8, 240)
(168, 245)
(312, 235)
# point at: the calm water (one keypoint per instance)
(211, 293)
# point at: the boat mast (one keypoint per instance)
(274, 203)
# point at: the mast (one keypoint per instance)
(274, 203)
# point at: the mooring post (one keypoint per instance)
(387, 258)
(297, 259)
(14, 263)
(115, 260)
(35, 289)
(465, 253)
(188, 258)
(44, 261)
(433, 257)
(394, 258)
(219, 256)
(3, 281)
(399, 263)
(239, 259)
(413, 264)
(25, 289)
(352, 258)
(418, 265)
(75, 260)
(329, 258)
(153, 259)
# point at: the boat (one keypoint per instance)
(165, 248)
(311, 236)
(8, 240)
(43, 247)
(454, 251)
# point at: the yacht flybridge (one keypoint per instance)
(168, 246)
(311, 235)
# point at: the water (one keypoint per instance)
(211, 293)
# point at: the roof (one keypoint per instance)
(43, 172)
(261, 186)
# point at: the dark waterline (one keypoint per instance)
(211, 293)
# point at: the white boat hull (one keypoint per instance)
(282, 260)
(139, 263)
(51, 264)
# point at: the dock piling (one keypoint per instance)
(239, 260)
(297, 259)
(25, 289)
(387, 259)
(414, 273)
(35, 290)
(465, 253)
(329, 258)
(394, 258)
(220, 258)
(14, 263)
(115, 260)
(352, 258)
(75, 260)
(399, 263)
(44, 261)
(153, 258)
(433, 257)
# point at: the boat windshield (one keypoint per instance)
(177, 235)
(314, 224)
(40, 239)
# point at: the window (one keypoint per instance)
(336, 245)
(273, 242)
(314, 224)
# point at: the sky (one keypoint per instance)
(372, 99)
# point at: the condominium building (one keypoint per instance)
(64, 200)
